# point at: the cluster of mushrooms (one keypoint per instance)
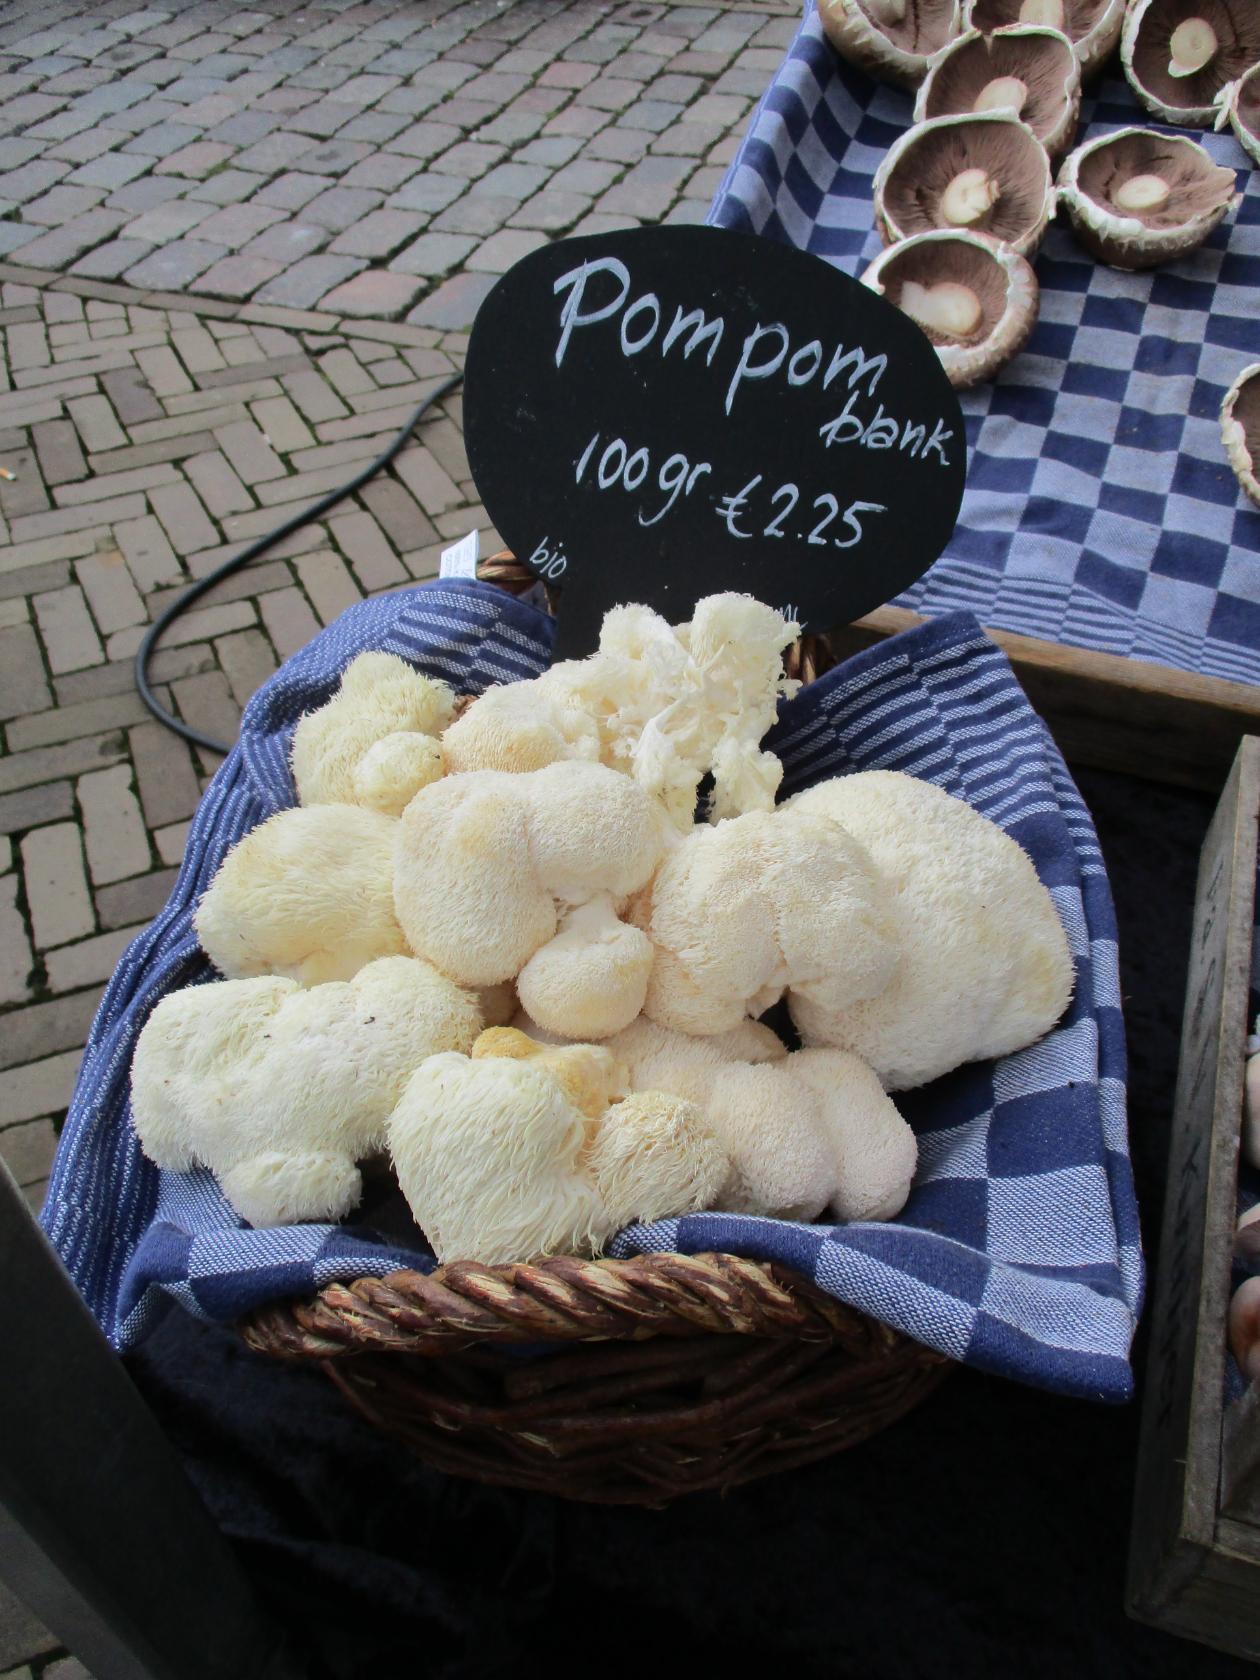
(498, 946)
(963, 199)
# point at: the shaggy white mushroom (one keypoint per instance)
(820, 1132)
(518, 1151)
(664, 705)
(591, 979)
(984, 966)
(487, 863)
(379, 696)
(306, 894)
(280, 1091)
(770, 900)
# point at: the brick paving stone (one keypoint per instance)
(114, 833)
(61, 246)
(501, 250)
(340, 207)
(109, 261)
(40, 1029)
(174, 265)
(453, 305)
(308, 280)
(240, 276)
(217, 484)
(327, 583)
(111, 594)
(375, 293)
(428, 193)
(171, 840)
(89, 962)
(56, 886)
(249, 453)
(16, 957)
(247, 660)
(287, 241)
(377, 235)
(66, 630)
(282, 425)
(147, 551)
(289, 621)
(182, 518)
(434, 254)
(165, 776)
(27, 1150)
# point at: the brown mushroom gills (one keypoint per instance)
(1049, 14)
(988, 176)
(921, 27)
(1027, 75)
(1127, 177)
(1074, 17)
(945, 281)
(1247, 415)
(1187, 50)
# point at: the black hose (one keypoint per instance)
(145, 652)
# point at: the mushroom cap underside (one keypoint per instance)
(988, 173)
(892, 40)
(1179, 54)
(1136, 198)
(1240, 429)
(1092, 26)
(1031, 72)
(975, 299)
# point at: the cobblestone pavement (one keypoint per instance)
(382, 159)
(236, 248)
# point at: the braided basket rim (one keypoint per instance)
(562, 1299)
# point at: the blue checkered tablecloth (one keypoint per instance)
(1100, 509)
(1018, 1250)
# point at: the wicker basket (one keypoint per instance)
(626, 1382)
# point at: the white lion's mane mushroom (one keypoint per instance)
(591, 979)
(380, 699)
(1092, 26)
(664, 705)
(526, 1149)
(986, 172)
(1240, 433)
(280, 1091)
(740, 912)
(489, 1155)
(892, 40)
(984, 966)
(804, 1131)
(1136, 198)
(1239, 106)
(487, 863)
(1179, 55)
(974, 298)
(1032, 73)
(307, 894)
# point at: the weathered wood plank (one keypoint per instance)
(1180, 1577)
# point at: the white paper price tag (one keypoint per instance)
(460, 559)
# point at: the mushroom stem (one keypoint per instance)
(948, 308)
(1003, 93)
(1142, 193)
(1191, 46)
(1046, 14)
(969, 197)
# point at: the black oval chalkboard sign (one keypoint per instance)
(661, 413)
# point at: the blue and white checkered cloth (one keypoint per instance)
(1019, 1248)
(1100, 509)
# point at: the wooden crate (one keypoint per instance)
(1194, 1562)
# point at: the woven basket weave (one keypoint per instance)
(625, 1382)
